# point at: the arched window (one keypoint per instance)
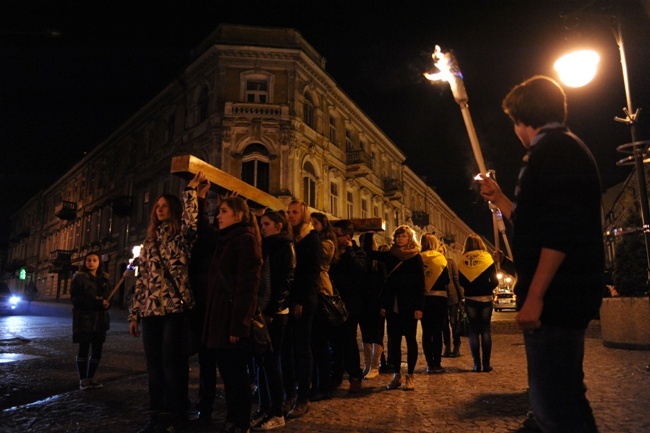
(255, 166)
(308, 109)
(309, 185)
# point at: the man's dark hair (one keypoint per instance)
(346, 227)
(535, 102)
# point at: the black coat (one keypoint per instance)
(280, 257)
(87, 294)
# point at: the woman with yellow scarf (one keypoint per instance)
(478, 276)
(436, 279)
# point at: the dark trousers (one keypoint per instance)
(371, 323)
(556, 387)
(207, 379)
(451, 321)
(433, 317)
(297, 358)
(233, 367)
(345, 348)
(320, 346)
(480, 335)
(167, 371)
(269, 371)
(402, 325)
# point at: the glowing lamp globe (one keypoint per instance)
(578, 68)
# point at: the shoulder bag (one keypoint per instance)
(332, 309)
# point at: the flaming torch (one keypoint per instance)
(131, 269)
(449, 71)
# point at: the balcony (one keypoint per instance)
(61, 260)
(449, 238)
(420, 218)
(359, 163)
(66, 210)
(393, 189)
(254, 110)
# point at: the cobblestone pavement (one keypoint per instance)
(456, 401)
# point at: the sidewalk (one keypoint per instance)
(456, 401)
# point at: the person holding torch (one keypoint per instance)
(558, 252)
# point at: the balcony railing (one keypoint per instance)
(66, 210)
(420, 218)
(359, 163)
(393, 189)
(61, 258)
(256, 110)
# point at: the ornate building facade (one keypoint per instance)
(256, 103)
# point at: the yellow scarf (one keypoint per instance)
(434, 264)
(474, 263)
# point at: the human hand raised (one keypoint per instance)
(198, 178)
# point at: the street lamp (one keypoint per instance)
(567, 66)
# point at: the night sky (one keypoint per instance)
(60, 97)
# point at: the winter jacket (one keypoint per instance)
(324, 284)
(280, 258)
(351, 278)
(455, 292)
(477, 273)
(154, 294)
(87, 293)
(233, 282)
(309, 251)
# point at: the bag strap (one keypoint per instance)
(393, 270)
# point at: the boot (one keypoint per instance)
(377, 351)
(447, 352)
(367, 358)
(456, 352)
(409, 384)
(396, 382)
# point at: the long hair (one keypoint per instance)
(412, 243)
(474, 242)
(306, 216)
(99, 268)
(278, 217)
(239, 205)
(430, 242)
(176, 209)
(327, 233)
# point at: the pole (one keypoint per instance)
(637, 149)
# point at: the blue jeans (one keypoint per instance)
(162, 337)
(555, 380)
(480, 335)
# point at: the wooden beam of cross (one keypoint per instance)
(188, 165)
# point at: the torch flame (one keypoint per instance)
(450, 72)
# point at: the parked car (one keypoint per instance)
(504, 299)
(9, 302)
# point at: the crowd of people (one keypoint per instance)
(211, 278)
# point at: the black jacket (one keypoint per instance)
(280, 258)
(87, 294)
(350, 277)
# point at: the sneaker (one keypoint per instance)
(94, 384)
(396, 382)
(409, 383)
(270, 422)
(299, 410)
(257, 418)
(84, 384)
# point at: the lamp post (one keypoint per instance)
(636, 149)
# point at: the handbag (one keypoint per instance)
(332, 309)
(462, 325)
(190, 339)
(260, 338)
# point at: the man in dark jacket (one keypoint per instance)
(558, 252)
(348, 276)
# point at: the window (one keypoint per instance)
(203, 103)
(334, 199)
(308, 112)
(348, 141)
(257, 90)
(309, 185)
(375, 211)
(333, 129)
(255, 167)
(350, 204)
(364, 208)
(362, 145)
